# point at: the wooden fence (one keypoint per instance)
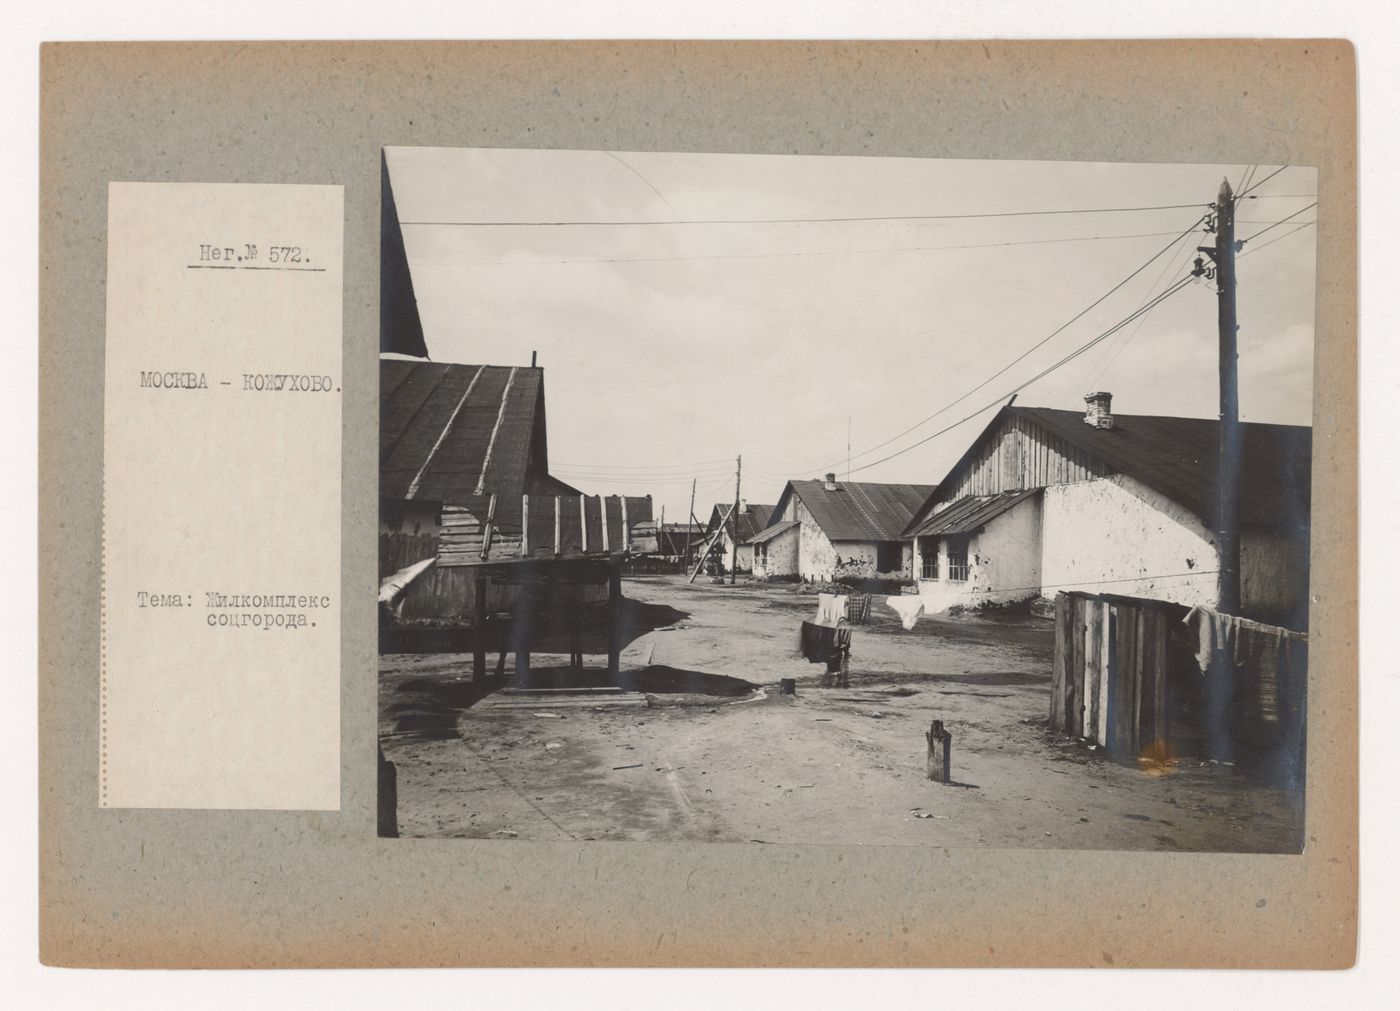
(1116, 675)
(1126, 678)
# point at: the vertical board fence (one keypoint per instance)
(1111, 684)
(1127, 678)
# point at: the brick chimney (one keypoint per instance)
(831, 482)
(1097, 410)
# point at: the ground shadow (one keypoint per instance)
(585, 627)
(660, 679)
(430, 708)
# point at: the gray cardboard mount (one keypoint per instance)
(250, 888)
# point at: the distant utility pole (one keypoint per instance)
(1227, 476)
(690, 525)
(734, 548)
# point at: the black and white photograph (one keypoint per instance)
(873, 501)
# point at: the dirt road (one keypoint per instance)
(715, 758)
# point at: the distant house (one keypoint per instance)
(752, 519)
(681, 541)
(1046, 500)
(824, 530)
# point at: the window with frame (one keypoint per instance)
(957, 559)
(928, 558)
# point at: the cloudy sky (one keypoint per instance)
(688, 308)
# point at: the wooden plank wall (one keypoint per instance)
(1018, 456)
(400, 550)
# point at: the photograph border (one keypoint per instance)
(315, 888)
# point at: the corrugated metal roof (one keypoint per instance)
(773, 531)
(1178, 457)
(452, 433)
(968, 515)
(861, 510)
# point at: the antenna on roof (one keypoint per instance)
(848, 447)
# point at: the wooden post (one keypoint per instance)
(479, 644)
(583, 520)
(1063, 613)
(626, 533)
(734, 550)
(388, 798)
(1074, 688)
(614, 618)
(557, 510)
(603, 506)
(490, 528)
(523, 619)
(1104, 652)
(1092, 663)
(524, 526)
(689, 525)
(940, 747)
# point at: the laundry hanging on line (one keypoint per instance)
(909, 608)
(830, 609)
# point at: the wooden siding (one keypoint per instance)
(1017, 456)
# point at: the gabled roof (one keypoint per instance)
(859, 510)
(752, 518)
(1177, 457)
(453, 433)
(968, 515)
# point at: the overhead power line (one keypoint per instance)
(1277, 238)
(1110, 354)
(1243, 193)
(798, 221)
(1280, 221)
(1162, 297)
(1176, 239)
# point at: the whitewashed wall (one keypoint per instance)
(1004, 563)
(1116, 535)
(781, 555)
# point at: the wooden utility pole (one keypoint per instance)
(1220, 674)
(1228, 469)
(734, 549)
(689, 525)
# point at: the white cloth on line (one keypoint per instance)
(908, 607)
(830, 609)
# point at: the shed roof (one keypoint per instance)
(452, 433)
(773, 531)
(860, 510)
(970, 514)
